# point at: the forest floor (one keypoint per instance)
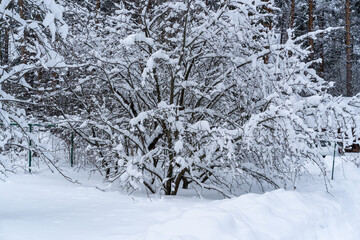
(44, 206)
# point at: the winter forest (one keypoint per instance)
(163, 95)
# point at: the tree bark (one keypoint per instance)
(4, 48)
(97, 10)
(348, 49)
(283, 27)
(322, 55)
(4, 51)
(292, 17)
(2, 38)
(311, 27)
(292, 14)
(23, 43)
(267, 24)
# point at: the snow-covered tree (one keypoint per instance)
(179, 94)
(171, 94)
(31, 28)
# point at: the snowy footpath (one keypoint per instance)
(43, 207)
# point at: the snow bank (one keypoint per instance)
(47, 207)
(276, 215)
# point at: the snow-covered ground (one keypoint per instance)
(45, 206)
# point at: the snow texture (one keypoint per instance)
(39, 207)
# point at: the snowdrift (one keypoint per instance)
(47, 207)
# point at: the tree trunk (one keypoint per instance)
(23, 44)
(6, 46)
(4, 50)
(322, 55)
(292, 17)
(283, 27)
(267, 24)
(2, 38)
(311, 27)
(97, 13)
(348, 49)
(292, 14)
(5, 42)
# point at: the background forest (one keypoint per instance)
(162, 95)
